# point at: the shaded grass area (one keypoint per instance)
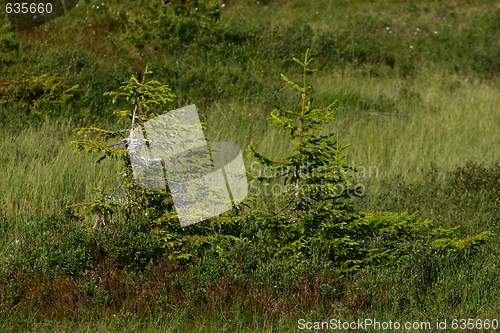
(467, 196)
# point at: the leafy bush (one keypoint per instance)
(35, 94)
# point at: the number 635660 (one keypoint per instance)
(28, 8)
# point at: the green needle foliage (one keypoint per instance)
(316, 172)
(128, 201)
(142, 95)
(316, 217)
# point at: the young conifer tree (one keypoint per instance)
(315, 216)
(128, 200)
(142, 96)
(316, 172)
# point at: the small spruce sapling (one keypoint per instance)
(142, 95)
(316, 215)
(316, 172)
(315, 176)
(155, 205)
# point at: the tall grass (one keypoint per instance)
(42, 173)
(415, 105)
(397, 126)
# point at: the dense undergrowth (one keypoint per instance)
(251, 272)
(52, 269)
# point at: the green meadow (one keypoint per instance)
(417, 85)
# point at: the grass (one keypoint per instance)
(400, 127)
(41, 171)
(415, 105)
(394, 127)
(173, 323)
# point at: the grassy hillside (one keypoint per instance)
(417, 84)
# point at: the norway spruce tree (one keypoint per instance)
(315, 214)
(316, 173)
(127, 200)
